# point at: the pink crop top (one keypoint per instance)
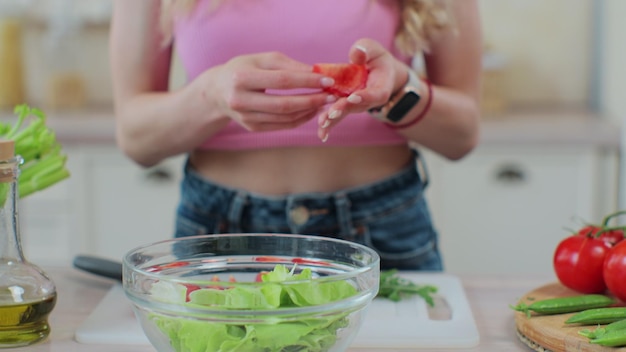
(298, 29)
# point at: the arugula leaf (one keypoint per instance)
(396, 288)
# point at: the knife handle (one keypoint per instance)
(99, 266)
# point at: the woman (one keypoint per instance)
(269, 149)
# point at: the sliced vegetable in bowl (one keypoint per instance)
(310, 333)
(287, 292)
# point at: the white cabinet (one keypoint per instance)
(51, 221)
(108, 206)
(128, 205)
(503, 209)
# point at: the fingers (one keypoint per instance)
(365, 50)
(278, 108)
(278, 71)
(384, 72)
(280, 79)
(277, 61)
(263, 122)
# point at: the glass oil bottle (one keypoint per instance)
(27, 295)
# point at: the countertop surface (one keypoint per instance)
(544, 126)
(489, 297)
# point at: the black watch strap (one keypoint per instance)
(401, 102)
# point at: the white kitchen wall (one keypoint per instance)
(613, 78)
(546, 44)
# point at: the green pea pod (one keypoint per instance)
(615, 338)
(562, 305)
(600, 331)
(598, 316)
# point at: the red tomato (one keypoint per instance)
(613, 236)
(348, 77)
(615, 271)
(578, 263)
(588, 230)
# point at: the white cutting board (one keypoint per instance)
(404, 324)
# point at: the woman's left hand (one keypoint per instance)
(386, 75)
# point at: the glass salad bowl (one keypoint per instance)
(251, 292)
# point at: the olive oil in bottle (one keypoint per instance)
(27, 295)
(22, 324)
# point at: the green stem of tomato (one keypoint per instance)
(608, 218)
(608, 229)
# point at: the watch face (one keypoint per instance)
(403, 106)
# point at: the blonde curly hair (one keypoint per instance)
(422, 21)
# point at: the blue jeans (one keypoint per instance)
(390, 216)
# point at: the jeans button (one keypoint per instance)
(299, 215)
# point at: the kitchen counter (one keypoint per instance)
(489, 297)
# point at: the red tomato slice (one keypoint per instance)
(348, 77)
(259, 276)
(268, 259)
(309, 262)
(190, 289)
(216, 278)
(158, 268)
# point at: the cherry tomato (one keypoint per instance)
(578, 263)
(615, 271)
(613, 236)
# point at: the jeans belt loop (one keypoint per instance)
(422, 170)
(235, 212)
(344, 217)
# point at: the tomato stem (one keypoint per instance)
(608, 229)
(608, 218)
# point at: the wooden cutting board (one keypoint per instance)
(549, 333)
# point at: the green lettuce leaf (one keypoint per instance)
(309, 334)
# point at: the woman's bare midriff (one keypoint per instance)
(300, 169)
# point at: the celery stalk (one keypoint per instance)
(39, 183)
(44, 162)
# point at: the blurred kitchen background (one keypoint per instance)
(550, 155)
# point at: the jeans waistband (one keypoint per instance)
(304, 212)
(413, 174)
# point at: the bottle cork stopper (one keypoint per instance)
(7, 149)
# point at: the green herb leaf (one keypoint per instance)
(395, 288)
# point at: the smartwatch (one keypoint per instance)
(400, 103)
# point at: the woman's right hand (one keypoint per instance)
(265, 92)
